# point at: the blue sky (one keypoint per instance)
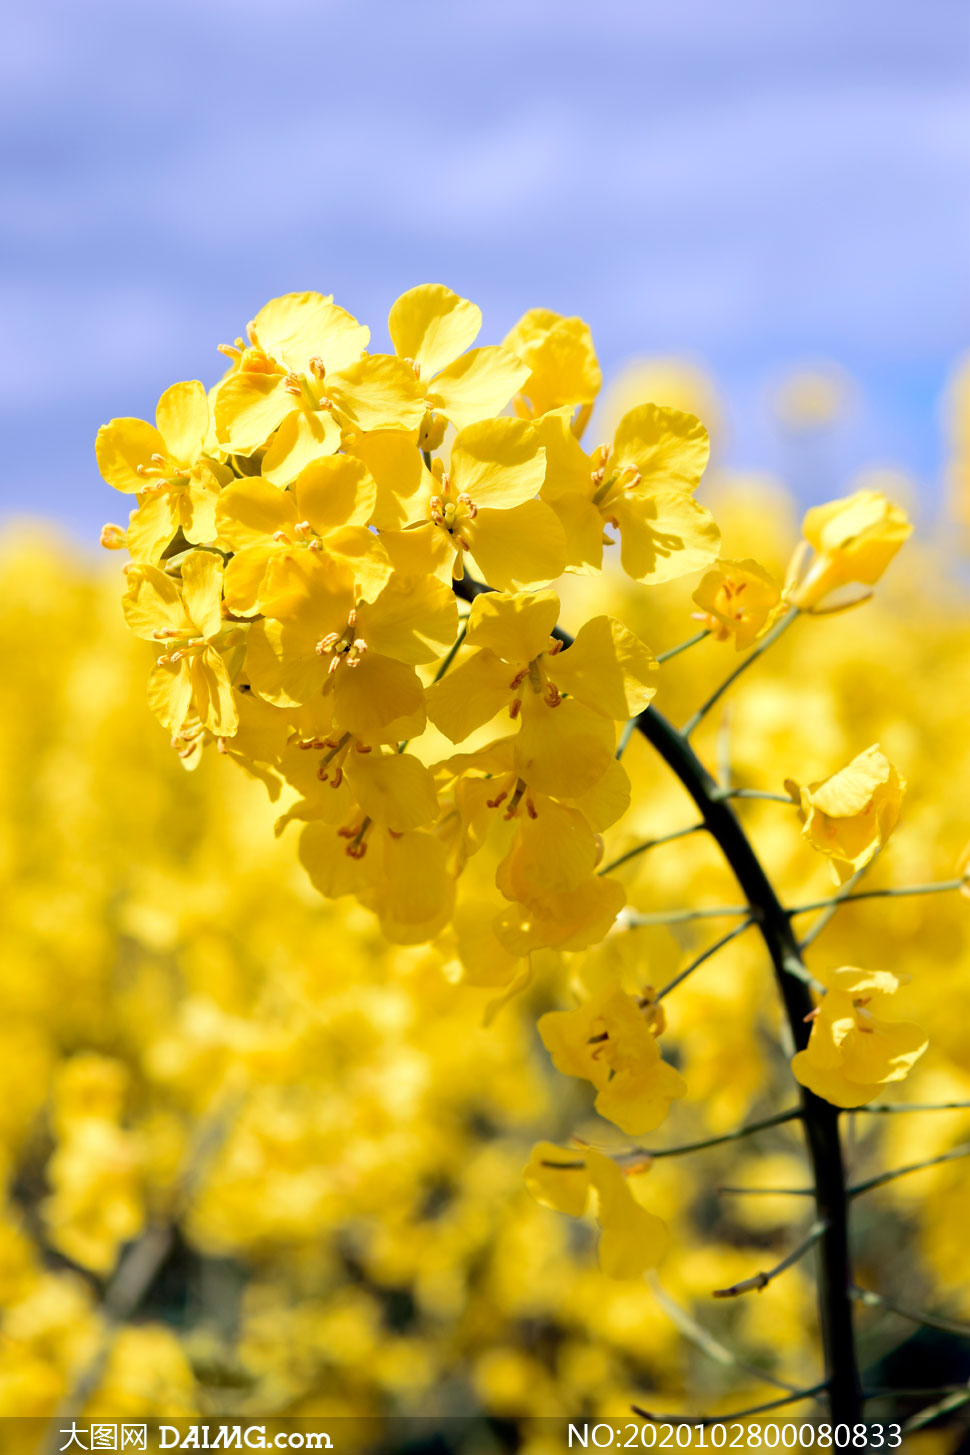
(750, 183)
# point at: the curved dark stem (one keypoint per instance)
(820, 1119)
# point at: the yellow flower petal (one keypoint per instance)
(182, 417)
(667, 448)
(379, 700)
(664, 534)
(121, 447)
(476, 386)
(412, 619)
(248, 407)
(251, 510)
(393, 789)
(302, 326)
(558, 1178)
(303, 437)
(518, 548)
(202, 591)
(498, 463)
(432, 325)
(334, 492)
(515, 627)
(469, 695)
(608, 668)
(377, 392)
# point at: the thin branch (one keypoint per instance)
(754, 1409)
(893, 1108)
(704, 956)
(838, 899)
(684, 916)
(676, 651)
(452, 653)
(724, 793)
(705, 1341)
(693, 828)
(856, 1188)
(629, 728)
(792, 1114)
(886, 1391)
(943, 886)
(758, 1281)
(750, 659)
(770, 1191)
(945, 1407)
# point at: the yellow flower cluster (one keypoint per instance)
(302, 535)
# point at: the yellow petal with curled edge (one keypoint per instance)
(558, 1178)
(515, 627)
(850, 980)
(197, 506)
(323, 854)
(404, 484)
(153, 600)
(607, 800)
(245, 580)
(212, 695)
(632, 1239)
(476, 386)
(378, 698)
(608, 668)
(283, 665)
(170, 693)
(469, 695)
(377, 392)
(582, 527)
(304, 436)
(667, 448)
(412, 619)
(248, 407)
(849, 791)
(335, 491)
(664, 534)
(570, 921)
(568, 467)
(564, 750)
(121, 447)
(301, 326)
(152, 526)
(498, 463)
(432, 325)
(182, 417)
(888, 1053)
(517, 548)
(393, 789)
(563, 368)
(552, 853)
(202, 591)
(416, 892)
(250, 511)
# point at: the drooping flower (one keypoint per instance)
(631, 1238)
(852, 1052)
(737, 599)
(851, 814)
(854, 540)
(610, 1042)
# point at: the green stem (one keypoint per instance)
(676, 651)
(753, 1409)
(869, 1299)
(943, 886)
(705, 1341)
(893, 1108)
(684, 916)
(883, 1177)
(723, 793)
(704, 956)
(792, 1114)
(833, 908)
(650, 844)
(758, 1281)
(750, 659)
